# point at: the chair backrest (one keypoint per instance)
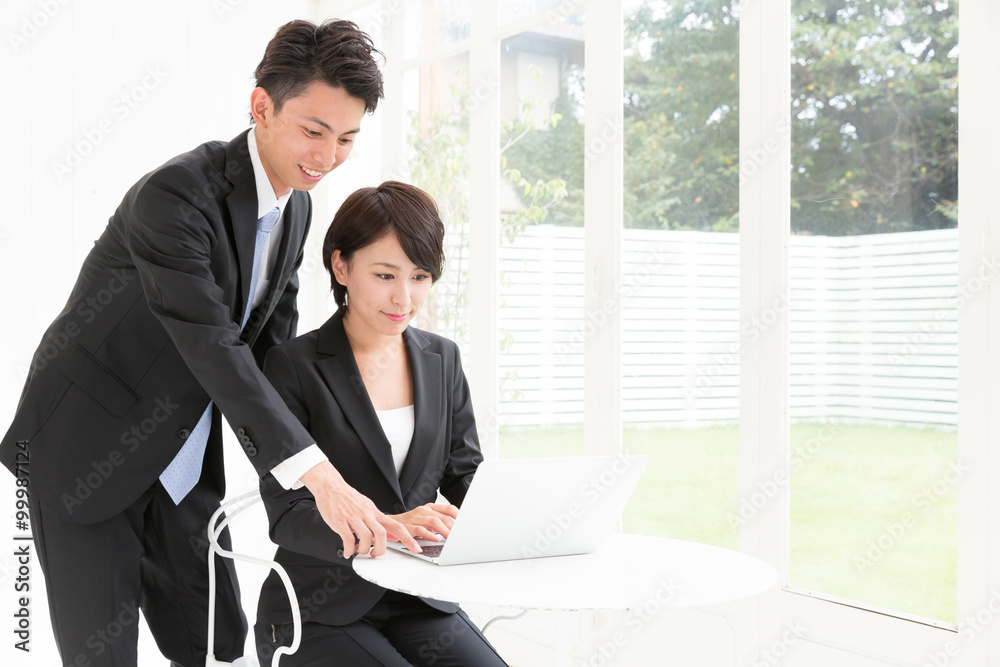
(227, 512)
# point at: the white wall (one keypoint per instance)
(97, 93)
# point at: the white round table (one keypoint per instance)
(629, 572)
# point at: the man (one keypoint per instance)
(118, 431)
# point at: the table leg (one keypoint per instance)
(562, 637)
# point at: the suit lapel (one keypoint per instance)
(428, 404)
(293, 230)
(242, 202)
(340, 372)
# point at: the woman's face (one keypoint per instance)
(385, 290)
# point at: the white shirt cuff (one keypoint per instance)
(291, 469)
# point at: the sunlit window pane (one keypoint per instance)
(512, 10)
(436, 159)
(431, 24)
(874, 300)
(680, 262)
(541, 246)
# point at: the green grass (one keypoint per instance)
(873, 509)
(874, 518)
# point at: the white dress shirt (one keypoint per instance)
(397, 424)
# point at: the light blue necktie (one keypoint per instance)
(185, 470)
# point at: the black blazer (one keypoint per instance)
(151, 331)
(317, 376)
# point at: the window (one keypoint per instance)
(873, 275)
(436, 103)
(541, 308)
(773, 302)
(680, 259)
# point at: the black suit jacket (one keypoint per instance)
(152, 331)
(317, 376)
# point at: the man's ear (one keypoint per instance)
(261, 107)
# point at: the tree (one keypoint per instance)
(681, 115)
(520, 142)
(439, 163)
(874, 116)
(533, 152)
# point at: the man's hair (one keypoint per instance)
(369, 214)
(335, 52)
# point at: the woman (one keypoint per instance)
(390, 406)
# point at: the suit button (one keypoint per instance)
(240, 432)
(251, 451)
(183, 434)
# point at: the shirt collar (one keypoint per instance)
(266, 201)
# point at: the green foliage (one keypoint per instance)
(533, 151)
(439, 163)
(681, 116)
(874, 141)
(874, 115)
(529, 141)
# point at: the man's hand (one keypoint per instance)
(352, 515)
(429, 520)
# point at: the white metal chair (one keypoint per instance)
(230, 509)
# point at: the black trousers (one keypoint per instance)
(152, 557)
(400, 631)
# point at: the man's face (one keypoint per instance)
(310, 137)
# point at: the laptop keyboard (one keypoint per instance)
(431, 550)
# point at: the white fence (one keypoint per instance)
(873, 328)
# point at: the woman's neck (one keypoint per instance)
(383, 365)
(366, 342)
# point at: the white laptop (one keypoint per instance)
(532, 508)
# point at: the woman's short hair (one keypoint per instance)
(334, 52)
(369, 214)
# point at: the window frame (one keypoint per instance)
(765, 116)
(764, 233)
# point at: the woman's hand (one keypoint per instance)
(429, 521)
